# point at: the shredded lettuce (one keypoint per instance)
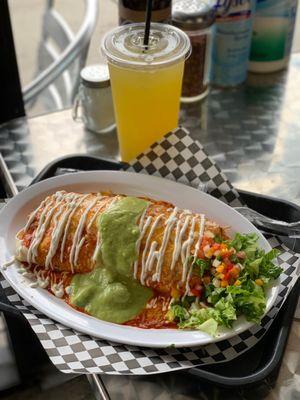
(177, 313)
(267, 268)
(251, 303)
(206, 319)
(257, 263)
(243, 242)
(225, 304)
(225, 312)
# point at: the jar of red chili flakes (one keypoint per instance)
(195, 18)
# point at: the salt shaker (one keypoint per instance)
(195, 18)
(93, 104)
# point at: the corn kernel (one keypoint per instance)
(209, 253)
(223, 246)
(237, 283)
(259, 282)
(223, 251)
(220, 268)
(224, 283)
(175, 293)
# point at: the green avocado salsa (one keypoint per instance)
(110, 292)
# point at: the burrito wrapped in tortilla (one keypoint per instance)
(119, 258)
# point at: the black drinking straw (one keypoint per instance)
(147, 23)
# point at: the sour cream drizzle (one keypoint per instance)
(168, 227)
(44, 221)
(200, 237)
(63, 243)
(178, 239)
(94, 216)
(59, 226)
(143, 230)
(197, 247)
(146, 261)
(97, 247)
(152, 256)
(8, 263)
(64, 206)
(33, 215)
(165, 301)
(77, 239)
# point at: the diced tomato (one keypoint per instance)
(225, 254)
(216, 246)
(235, 272)
(196, 291)
(230, 266)
(206, 241)
(226, 276)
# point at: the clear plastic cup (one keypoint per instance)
(146, 82)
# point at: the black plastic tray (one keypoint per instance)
(258, 364)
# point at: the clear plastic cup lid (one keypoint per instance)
(124, 45)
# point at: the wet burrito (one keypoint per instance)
(130, 260)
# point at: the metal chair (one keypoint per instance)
(61, 56)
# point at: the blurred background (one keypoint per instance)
(27, 19)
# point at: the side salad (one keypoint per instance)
(232, 276)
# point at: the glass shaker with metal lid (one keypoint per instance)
(195, 18)
(93, 104)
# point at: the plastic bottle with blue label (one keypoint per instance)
(232, 40)
(273, 30)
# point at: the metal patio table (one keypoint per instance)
(253, 132)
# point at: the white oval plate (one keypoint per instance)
(14, 215)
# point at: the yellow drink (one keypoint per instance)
(146, 83)
(146, 105)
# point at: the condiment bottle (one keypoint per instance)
(272, 37)
(232, 40)
(93, 104)
(195, 18)
(131, 11)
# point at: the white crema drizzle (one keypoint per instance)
(59, 225)
(180, 231)
(197, 247)
(78, 240)
(44, 221)
(34, 214)
(200, 237)
(66, 231)
(186, 250)
(148, 262)
(142, 228)
(184, 225)
(8, 263)
(161, 253)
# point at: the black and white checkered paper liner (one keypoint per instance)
(179, 158)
